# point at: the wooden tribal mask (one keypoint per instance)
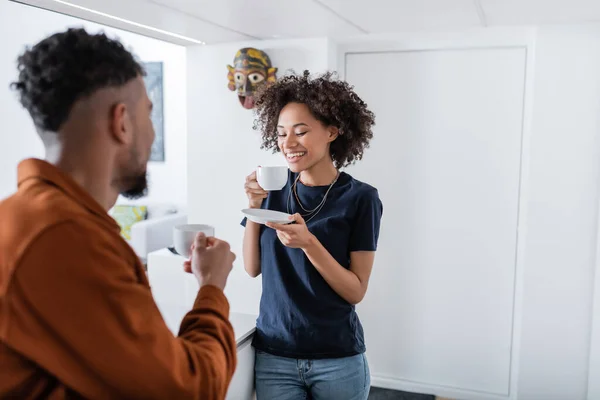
(251, 69)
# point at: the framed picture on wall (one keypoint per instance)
(154, 86)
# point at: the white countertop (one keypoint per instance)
(166, 252)
(244, 325)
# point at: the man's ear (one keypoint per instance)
(334, 132)
(120, 125)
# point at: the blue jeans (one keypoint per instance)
(280, 378)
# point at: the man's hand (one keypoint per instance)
(211, 261)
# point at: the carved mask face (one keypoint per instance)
(251, 69)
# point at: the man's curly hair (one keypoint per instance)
(66, 67)
(331, 101)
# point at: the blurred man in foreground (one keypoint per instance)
(77, 318)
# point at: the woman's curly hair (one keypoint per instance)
(331, 101)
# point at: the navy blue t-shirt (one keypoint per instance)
(301, 316)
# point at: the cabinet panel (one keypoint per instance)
(446, 159)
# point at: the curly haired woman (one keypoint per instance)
(309, 341)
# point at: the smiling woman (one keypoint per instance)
(315, 270)
(332, 103)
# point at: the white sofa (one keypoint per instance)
(156, 231)
(154, 234)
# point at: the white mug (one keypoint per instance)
(272, 178)
(184, 235)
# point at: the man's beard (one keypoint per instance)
(134, 187)
(134, 183)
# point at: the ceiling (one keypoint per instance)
(217, 21)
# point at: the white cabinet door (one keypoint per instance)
(242, 383)
(446, 159)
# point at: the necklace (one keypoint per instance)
(309, 213)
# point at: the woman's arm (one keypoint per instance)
(351, 284)
(251, 249)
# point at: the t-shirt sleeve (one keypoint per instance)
(365, 227)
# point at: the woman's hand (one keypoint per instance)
(255, 193)
(295, 236)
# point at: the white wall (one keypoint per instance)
(559, 205)
(561, 221)
(21, 26)
(223, 148)
(451, 208)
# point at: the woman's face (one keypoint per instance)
(303, 140)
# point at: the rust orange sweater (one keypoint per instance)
(77, 318)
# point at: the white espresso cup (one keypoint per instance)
(272, 178)
(184, 235)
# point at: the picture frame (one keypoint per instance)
(154, 86)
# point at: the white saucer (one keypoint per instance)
(261, 216)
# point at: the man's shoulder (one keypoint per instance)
(28, 215)
(27, 212)
(63, 245)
